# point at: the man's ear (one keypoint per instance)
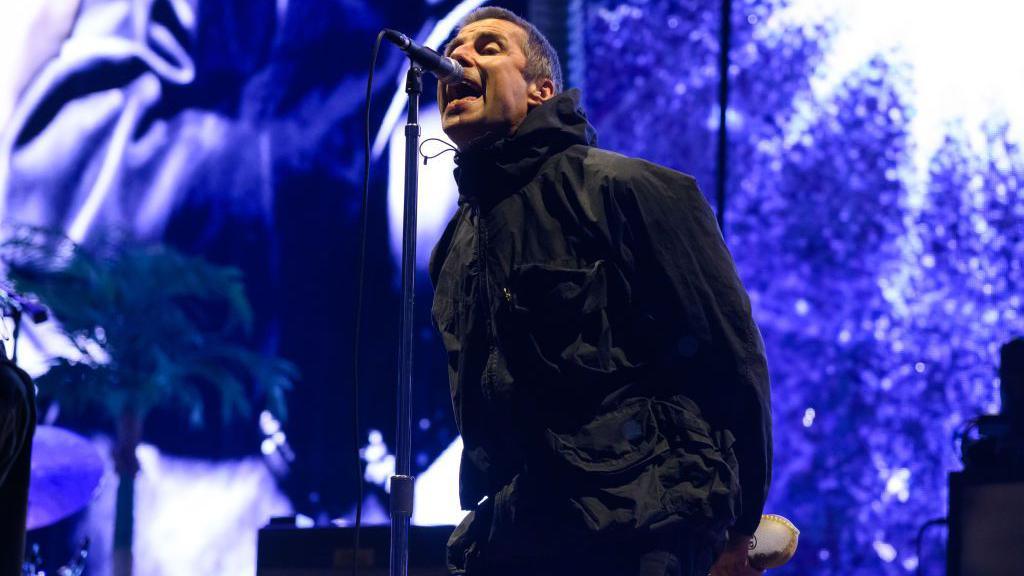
(540, 90)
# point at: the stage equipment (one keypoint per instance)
(986, 526)
(284, 550)
(33, 565)
(986, 499)
(1011, 384)
(997, 453)
(66, 470)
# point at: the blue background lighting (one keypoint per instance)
(874, 208)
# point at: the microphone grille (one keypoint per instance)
(456, 72)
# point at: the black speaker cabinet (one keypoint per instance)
(986, 527)
(284, 550)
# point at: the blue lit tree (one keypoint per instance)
(958, 301)
(882, 296)
(640, 103)
(661, 102)
(813, 241)
(816, 208)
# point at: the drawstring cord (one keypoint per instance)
(449, 147)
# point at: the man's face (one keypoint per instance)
(495, 96)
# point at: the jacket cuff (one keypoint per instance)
(746, 525)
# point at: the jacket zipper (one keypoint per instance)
(481, 246)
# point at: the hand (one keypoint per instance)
(733, 560)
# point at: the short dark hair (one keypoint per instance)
(541, 58)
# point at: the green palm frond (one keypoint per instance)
(78, 385)
(172, 325)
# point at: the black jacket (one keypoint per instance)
(600, 345)
(17, 427)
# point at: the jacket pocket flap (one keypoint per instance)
(557, 290)
(612, 442)
(680, 420)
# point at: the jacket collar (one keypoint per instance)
(490, 171)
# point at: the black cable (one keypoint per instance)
(449, 147)
(920, 538)
(356, 432)
(723, 105)
(961, 435)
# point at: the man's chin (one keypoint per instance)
(470, 134)
(461, 132)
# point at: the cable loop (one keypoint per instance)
(449, 147)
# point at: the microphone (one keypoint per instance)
(11, 301)
(446, 69)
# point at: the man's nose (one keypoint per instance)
(462, 54)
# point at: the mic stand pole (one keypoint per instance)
(402, 482)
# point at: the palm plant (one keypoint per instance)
(155, 328)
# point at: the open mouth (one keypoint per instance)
(462, 92)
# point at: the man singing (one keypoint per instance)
(608, 380)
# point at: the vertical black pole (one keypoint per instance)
(16, 314)
(723, 105)
(402, 482)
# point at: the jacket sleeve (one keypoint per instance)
(439, 253)
(704, 317)
(17, 427)
(16, 414)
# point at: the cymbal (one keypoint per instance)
(66, 470)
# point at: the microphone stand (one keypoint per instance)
(15, 305)
(402, 484)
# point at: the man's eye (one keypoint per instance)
(491, 49)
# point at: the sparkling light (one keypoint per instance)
(268, 424)
(808, 417)
(899, 484)
(380, 464)
(884, 550)
(267, 447)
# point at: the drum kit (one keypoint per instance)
(65, 468)
(65, 475)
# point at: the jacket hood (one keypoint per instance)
(492, 170)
